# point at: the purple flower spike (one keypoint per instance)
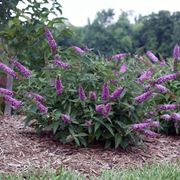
(150, 133)
(41, 107)
(161, 89)
(36, 96)
(13, 102)
(103, 109)
(108, 109)
(52, 43)
(165, 117)
(143, 97)
(146, 75)
(152, 57)
(66, 118)
(92, 95)
(140, 126)
(23, 70)
(59, 86)
(168, 107)
(58, 62)
(100, 108)
(78, 50)
(117, 93)
(176, 52)
(123, 68)
(166, 78)
(119, 56)
(82, 95)
(8, 70)
(105, 92)
(6, 92)
(175, 116)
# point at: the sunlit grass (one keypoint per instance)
(165, 171)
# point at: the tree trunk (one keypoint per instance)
(9, 86)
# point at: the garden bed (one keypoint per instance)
(22, 149)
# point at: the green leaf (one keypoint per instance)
(97, 125)
(55, 127)
(74, 136)
(107, 144)
(118, 139)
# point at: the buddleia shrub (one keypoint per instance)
(83, 98)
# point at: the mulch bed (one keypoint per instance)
(21, 149)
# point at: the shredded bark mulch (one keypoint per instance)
(21, 149)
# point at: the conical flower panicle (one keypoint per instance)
(58, 62)
(143, 97)
(117, 93)
(176, 52)
(165, 107)
(161, 89)
(166, 78)
(6, 92)
(146, 75)
(66, 118)
(78, 50)
(36, 96)
(105, 92)
(52, 43)
(15, 104)
(23, 70)
(82, 95)
(123, 68)
(41, 107)
(59, 86)
(92, 95)
(175, 116)
(150, 133)
(8, 70)
(152, 57)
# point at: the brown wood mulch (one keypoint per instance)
(22, 148)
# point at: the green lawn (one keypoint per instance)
(154, 172)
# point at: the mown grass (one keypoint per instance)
(166, 171)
